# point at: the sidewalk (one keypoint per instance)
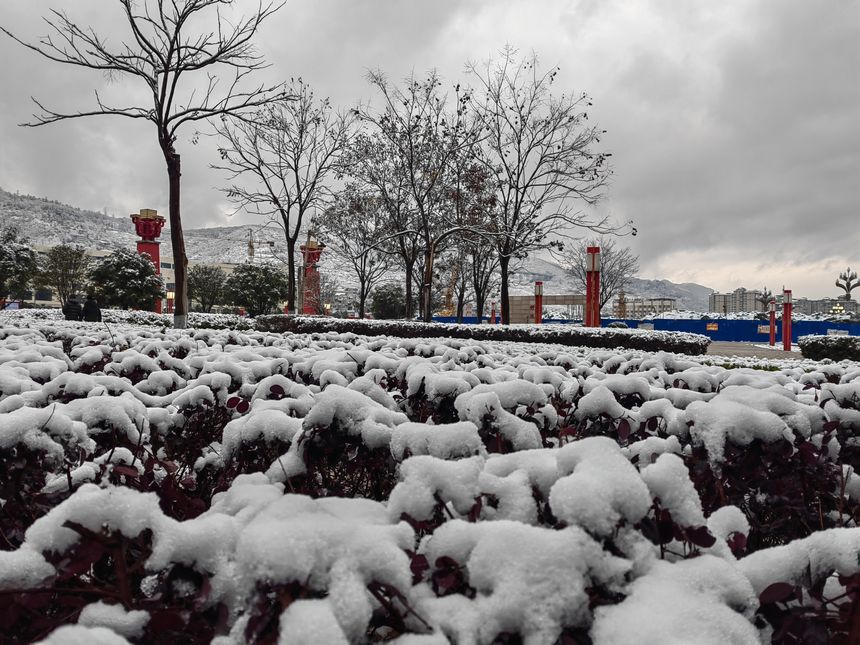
(723, 348)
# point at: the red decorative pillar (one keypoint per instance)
(311, 253)
(592, 286)
(538, 302)
(493, 313)
(771, 306)
(148, 224)
(786, 319)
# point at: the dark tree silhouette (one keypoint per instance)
(167, 49)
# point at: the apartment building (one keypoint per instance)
(636, 308)
(739, 300)
(824, 306)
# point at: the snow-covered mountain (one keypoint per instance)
(48, 223)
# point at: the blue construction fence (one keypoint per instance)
(749, 331)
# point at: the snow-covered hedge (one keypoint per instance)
(835, 348)
(139, 318)
(653, 341)
(215, 486)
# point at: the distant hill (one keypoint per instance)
(47, 223)
(690, 296)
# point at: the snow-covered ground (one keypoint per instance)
(334, 488)
(747, 315)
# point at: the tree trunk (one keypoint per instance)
(479, 307)
(409, 266)
(362, 297)
(504, 262)
(177, 239)
(427, 285)
(291, 275)
(461, 301)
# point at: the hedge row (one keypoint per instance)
(651, 341)
(837, 348)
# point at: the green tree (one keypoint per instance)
(206, 285)
(127, 280)
(256, 287)
(65, 270)
(18, 264)
(389, 302)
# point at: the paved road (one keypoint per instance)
(722, 348)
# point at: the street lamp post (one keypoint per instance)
(592, 286)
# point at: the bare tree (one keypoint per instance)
(351, 227)
(474, 197)
(289, 150)
(484, 263)
(374, 162)
(539, 150)
(426, 139)
(617, 266)
(329, 289)
(165, 53)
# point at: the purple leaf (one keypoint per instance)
(623, 429)
(777, 592)
(701, 536)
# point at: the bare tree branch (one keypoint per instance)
(281, 160)
(165, 53)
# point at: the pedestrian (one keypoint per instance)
(72, 310)
(91, 312)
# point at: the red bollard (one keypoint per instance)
(592, 287)
(786, 319)
(771, 306)
(538, 302)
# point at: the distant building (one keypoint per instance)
(630, 307)
(739, 300)
(824, 306)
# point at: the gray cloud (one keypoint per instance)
(735, 126)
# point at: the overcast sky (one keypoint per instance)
(734, 124)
